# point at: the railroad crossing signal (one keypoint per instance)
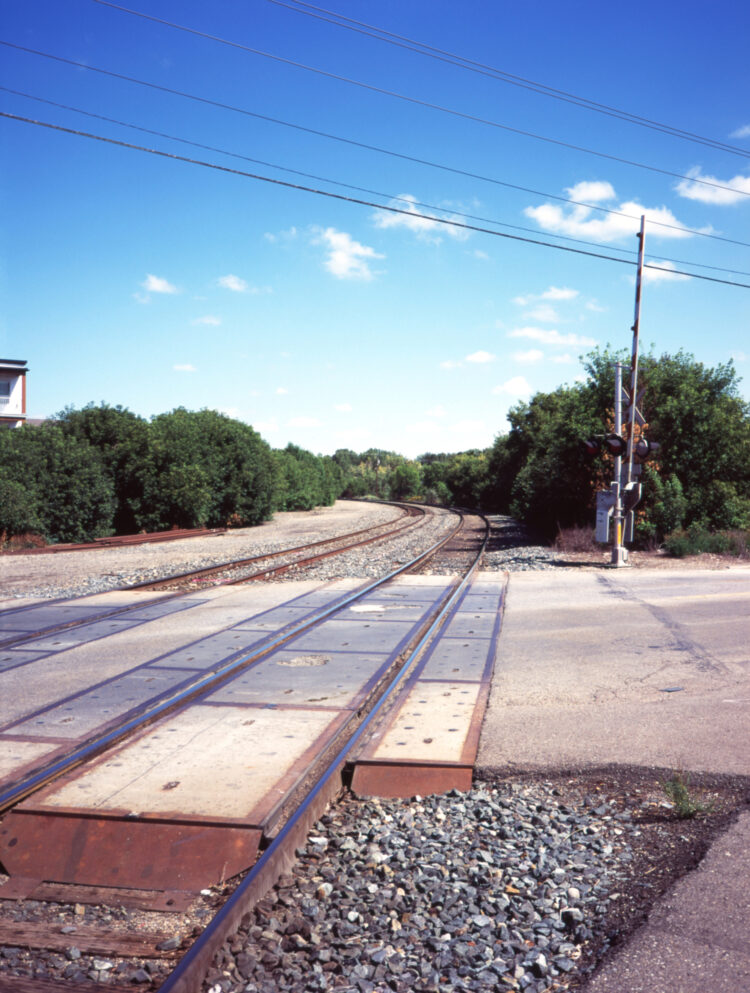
(617, 445)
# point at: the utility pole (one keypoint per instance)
(619, 551)
(634, 356)
(623, 481)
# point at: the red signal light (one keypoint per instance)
(615, 445)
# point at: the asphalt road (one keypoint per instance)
(642, 667)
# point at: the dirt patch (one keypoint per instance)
(664, 846)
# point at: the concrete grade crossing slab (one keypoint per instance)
(54, 697)
(186, 801)
(429, 740)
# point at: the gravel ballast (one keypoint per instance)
(99, 570)
(497, 888)
(70, 574)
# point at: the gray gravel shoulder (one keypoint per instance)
(512, 548)
(96, 571)
(502, 887)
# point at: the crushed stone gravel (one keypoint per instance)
(501, 887)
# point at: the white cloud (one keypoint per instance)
(344, 408)
(289, 235)
(551, 337)
(691, 190)
(583, 221)
(304, 422)
(739, 356)
(238, 285)
(559, 293)
(436, 412)
(281, 391)
(155, 284)
(417, 220)
(479, 254)
(208, 319)
(233, 283)
(517, 386)
(480, 357)
(186, 367)
(347, 259)
(450, 364)
(533, 355)
(595, 306)
(663, 274)
(552, 293)
(596, 191)
(544, 313)
(563, 359)
(743, 132)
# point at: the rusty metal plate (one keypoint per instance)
(121, 852)
(396, 780)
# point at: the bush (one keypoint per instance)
(698, 541)
(203, 468)
(17, 511)
(68, 495)
(576, 539)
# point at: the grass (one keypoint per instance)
(677, 789)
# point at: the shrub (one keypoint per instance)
(67, 490)
(576, 539)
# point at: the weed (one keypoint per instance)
(576, 539)
(678, 790)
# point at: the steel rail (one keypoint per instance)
(213, 570)
(189, 973)
(117, 540)
(169, 701)
(184, 577)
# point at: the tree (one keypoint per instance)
(203, 468)
(122, 440)
(701, 474)
(405, 480)
(68, 493)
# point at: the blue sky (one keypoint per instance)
(153, 283)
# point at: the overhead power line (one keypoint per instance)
(356, 200)
(413, 202)
(461, 62)
(364, 145)
(416, 101)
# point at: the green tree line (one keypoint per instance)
(102, 470)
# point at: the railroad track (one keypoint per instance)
(233, 572)
(317, 781)
(120, 541)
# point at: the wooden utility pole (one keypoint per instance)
(624, 473)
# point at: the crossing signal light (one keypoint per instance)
(615, 444)
(591, 447)
(643, 448)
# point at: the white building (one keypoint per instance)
(12, 393)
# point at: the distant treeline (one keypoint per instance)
(101, 470)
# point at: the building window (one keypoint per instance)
(4, 390)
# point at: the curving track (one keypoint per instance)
(319, 777)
